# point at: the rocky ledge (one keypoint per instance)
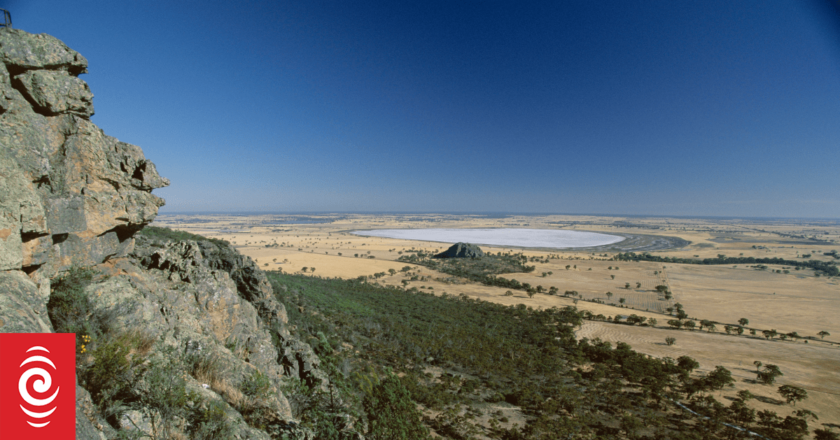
(72, 197)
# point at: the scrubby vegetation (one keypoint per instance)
(166, 234)
(402, 363)
(117, 368)
(462, 359)
(482, 269)
(827, 268)
(71, 310)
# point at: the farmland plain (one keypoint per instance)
(787, 299)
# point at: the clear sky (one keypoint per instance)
(714, 108)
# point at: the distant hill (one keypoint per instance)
(461, 250)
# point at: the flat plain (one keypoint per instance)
(771, 297)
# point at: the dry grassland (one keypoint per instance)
(793, 302)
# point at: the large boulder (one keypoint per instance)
(461, 250)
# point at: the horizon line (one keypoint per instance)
(488, 213)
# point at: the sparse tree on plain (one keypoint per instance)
(793, 394)
(825, 434)
(670, 341)
(719, 378)
(823, 334)
(769, 374)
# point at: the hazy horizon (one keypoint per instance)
(690, 109)
(489, 214)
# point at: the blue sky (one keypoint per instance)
(713, 108)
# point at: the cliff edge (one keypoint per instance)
(193, 315)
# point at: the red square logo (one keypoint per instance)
(38, 386)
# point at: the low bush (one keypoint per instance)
(256, 385)
(209, 422)
(70, 309)
(166, 234)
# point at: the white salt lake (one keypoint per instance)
(533, 238)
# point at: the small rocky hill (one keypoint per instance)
(461, 250)
(195, 314)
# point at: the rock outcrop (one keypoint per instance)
(71, 196)
(461, 250)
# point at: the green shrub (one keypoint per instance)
(209, 422)
(165, 397)
(113, 369)
(166, 234)
(70, 309)
(256, 386)
(392, 415)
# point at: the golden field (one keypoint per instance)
(797, 301)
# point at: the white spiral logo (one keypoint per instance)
(40, 385)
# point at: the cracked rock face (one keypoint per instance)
(24, 51)
(56, 92)
(69, 194)
(72, 196)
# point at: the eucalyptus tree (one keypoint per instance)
(793, 394)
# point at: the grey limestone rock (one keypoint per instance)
(461, 250)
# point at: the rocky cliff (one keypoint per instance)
(73, 197)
